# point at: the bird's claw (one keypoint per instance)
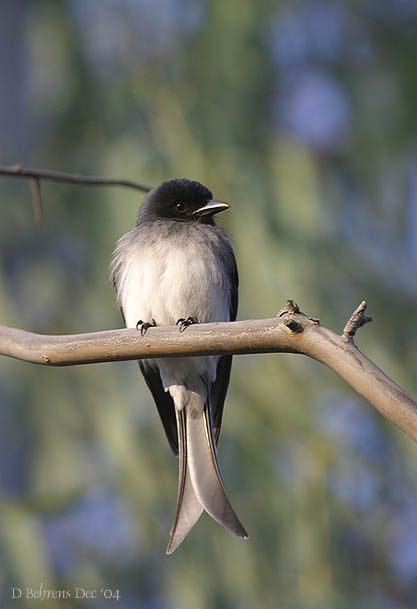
(184, 323)
(144, 325)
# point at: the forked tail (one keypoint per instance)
(200, 485)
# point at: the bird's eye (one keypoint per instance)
(180, 206)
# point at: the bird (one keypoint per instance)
(177, 267)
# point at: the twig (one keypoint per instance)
(242, 337)
(19, 171)
(356, 321)
(36, 198)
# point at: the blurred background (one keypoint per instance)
(303, 116)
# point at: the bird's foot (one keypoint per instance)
(184, 323)
(144, 325)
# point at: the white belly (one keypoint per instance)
(184, 283)
(164, 276)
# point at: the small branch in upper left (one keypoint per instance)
(35, 175)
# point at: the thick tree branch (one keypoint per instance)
(291, 332)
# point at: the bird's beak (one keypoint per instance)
(211, 208)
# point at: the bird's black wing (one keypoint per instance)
(163, 401)
(218, 392)
(220, 385)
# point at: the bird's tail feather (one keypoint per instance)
(200, 482)
(189, 508)
(204, 470)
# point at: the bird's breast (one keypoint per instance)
(178, 276)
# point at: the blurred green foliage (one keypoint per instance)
(303, 116)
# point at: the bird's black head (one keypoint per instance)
(180, 199)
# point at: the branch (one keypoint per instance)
(18, 171)
(291, 332)
(356, 321)
(37, 201)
